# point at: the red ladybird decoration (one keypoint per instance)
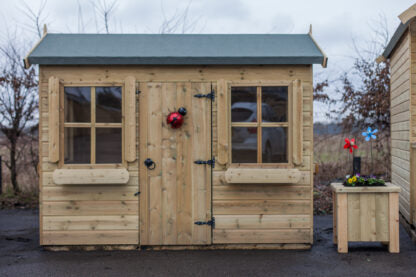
(175, 119)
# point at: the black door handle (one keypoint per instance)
(150, 164)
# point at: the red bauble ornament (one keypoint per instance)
(175, 119)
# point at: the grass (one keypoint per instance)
(23, 200)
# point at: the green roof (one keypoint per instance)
(176, 49)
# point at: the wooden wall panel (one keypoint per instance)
(53, 94)
(245, 205)
(297, 121)
(222, 119)
(130, 146)
(264, 192)
(261, 236)
(263, 207)
(81, 214)
(252, 207)
(103, 222)
(90, 237)
(75, 193)
(412, 183)
(262, 221)
(89, 207)
(400, 119)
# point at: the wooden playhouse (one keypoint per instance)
(237, 173)
(401, 52)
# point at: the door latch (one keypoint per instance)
(210, 95)
(209, 222)
(208, 162)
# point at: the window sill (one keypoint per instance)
(262, 176)
(118, 176)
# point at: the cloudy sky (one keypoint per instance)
(335, 23)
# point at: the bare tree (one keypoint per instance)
(179, 22)
(81, 25)
(365, 92)
(105, 11)
(319, 93)
(36, 18)
(18, 104)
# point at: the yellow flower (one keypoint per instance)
(354, 179)
(350, 180)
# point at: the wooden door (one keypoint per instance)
(177, 192)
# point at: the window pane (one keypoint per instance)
(77, 104)
(108, 145)
(244, 144)
(244, 104)
(77, 145)
(274, 104)
(108, 104)
(274, 144)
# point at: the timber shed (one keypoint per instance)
(236, 174)
(401, 52)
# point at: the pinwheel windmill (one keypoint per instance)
(350, 145)
(370, 136)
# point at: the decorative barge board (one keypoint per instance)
(235, 172)
(401, 54)
(364, 214)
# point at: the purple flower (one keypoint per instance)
(358, 175)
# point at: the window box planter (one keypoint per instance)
(262, 176)
(366, 214)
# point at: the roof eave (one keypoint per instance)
(324, 62)
(395, 39)
(177, 60)
(405, 18)
(26, 60)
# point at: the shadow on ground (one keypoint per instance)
(20, 255)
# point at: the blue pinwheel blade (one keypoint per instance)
(364, 134)
(369, 129)
(373, 137)
(375, 131)
(367, 138)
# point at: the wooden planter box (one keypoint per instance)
(365, 214)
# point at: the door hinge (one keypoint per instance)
(209, 222)
(208, 162)
(210, 95)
